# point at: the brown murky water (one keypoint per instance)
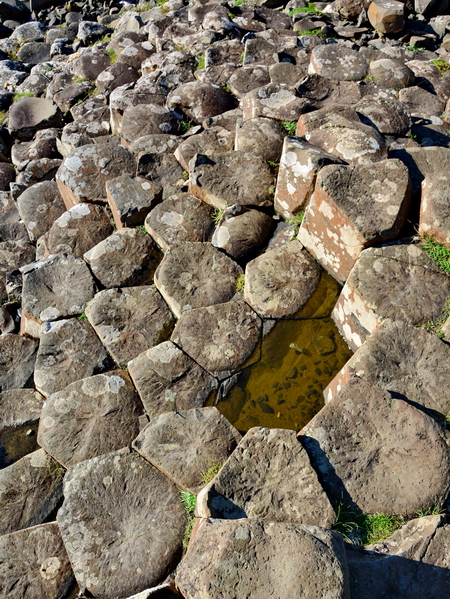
(298, 358)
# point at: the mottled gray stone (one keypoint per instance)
(434, 208)
(169, 380)
(29, 115)
(386, 114)
(121, 502)
(17, 358)
(336, 61)
(390, 72)
(262, 137)
(39, 206)
(185, 445)
(421, 103)
(200, 100)
(246, 78)
(209, 142)
(131, 199)
(146, 119)
(274, 101)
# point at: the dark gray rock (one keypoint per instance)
(338, 62)
(392, 73)
(91, 63)
(147, 119)
(17, 358)
(200, 100)
(246, 78)
(91, 31)
(262, 137)
(29, 115)
(209, 142)
(387, 115)
(421, 103)
(131, 199)
(116, 75)
(34, 52)
(274, 101)
(39, 206)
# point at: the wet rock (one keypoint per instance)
(69, 350)
(90, 417)
(195, 275)
(366, 299)
(83, 173)
(232, 177)
(279, 282)
(130, 320)
(354, 207)
(391, 73)
(386, 16)
(386, 114)
(228, 556)
(110, 260)
(242, 489)
(262, 137)
(43, 572)
(169, 380)
(219, 338)
(131, 199)
(208, 143)
(377, 452)
(338, 62)
(402, 359)
(147, 119)
(17, 358)
(200, 100)
(434, 209)
(199, 440)
(39, 206)
(139, 517)
(57, 288)
(182, 217)
(29, 115)
(275, 101)
(77, 230)
(31, 490)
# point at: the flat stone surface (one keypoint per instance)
(34, 564)
(195, 275)
(69, 350)
(168, 380)
(131, 199)
(268, 477)
(29, 115)
(262, 137)
(219, 338)
(39, 206)
(386, 114)
(423, 162)
(338, 62)
(122, 502)
(200, 100)
(245, 558)
(184, 445)
(30, 491)
(390, 72)
(146, 119)
(208, 142)
(90, 417)
(380, 453)
(367, 299)
(274, 101)
(435, 208)
(130, 320)
(17, 358)
(280, 281)
(127, 257)
(182, 217)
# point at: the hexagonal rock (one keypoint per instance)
(69, 350)
(168, 380)
(244, 489)
(57, 288)
(242, 232)
(403, 359)
(367, 297)
(184, 445)
(34, 564)
(130, 320)
(194, 275)
(353, 207)
(274, 101)
(29, 115)
(338, 62)
(121, 502)
(127, 257)
(131, 199)
(423, 162)
(146, 119)
(209, 142)
(280, 281)
(31, 490)
(434, 208)
(90, 417)
(219, 338)
(83, 173)
(39, 206)
(200, 100)
(390, 72)
(386, 16)
(17, 358)
(299, 164)
(182, 217)
(116, 75)
(386, 114)
(262, 137)
(231, 178)
(380, 453)
(245, 558)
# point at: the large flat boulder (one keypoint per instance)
(39, 206)
(336, 61)
(29, 115)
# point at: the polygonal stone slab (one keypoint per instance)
(402, 359)
(120, 502)
(336, 61)
(367, 298)
(127, 257)
(17, 358)
(280, 281)
(130, 320)
(34, 564)
(146, 119)
(435, 208)
(274, 101)
(386, 16)
(268, 477)
(386, 114)
(262, 137)
(169, 380)
(353, 207)
(200, 100)
(131, 199)
(245, 558)
(391, 73)
(379, 452)
(90, 417)
(209, 142)
(39, 206)
(29, 115)
(57, 288)
(194, 275)
(423, 162)
(184, 445)
(219, 338)
(30, 491)
(182, 217)
(69, 350)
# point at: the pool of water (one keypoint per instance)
(282, 388)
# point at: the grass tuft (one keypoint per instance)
(438, 252)
(435, 509)
(200, 62)
(290, 126)
(238, 2)
(217, 214)
(82, 316)
(310, 8)
(189, 501)
(442, 65)
(23, 95)
(208, 475)
(3, 115)
(435, 326)
(311, 32)
(240, 283)
(364, 529)
(113, 56)
(297, 220)
(185, 126)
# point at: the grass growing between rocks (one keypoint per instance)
(240, 283)
(22, 95)
(3, 115)
(297, 220)
(200, 62)
(189, 501)
(310, 32)
(311, 8)
(216, 215)
(438, 253)
(113, 56)
(290, 126)
(435, 326)
(442, 65)
(360, 528)
(208, 475)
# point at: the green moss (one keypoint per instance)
(82, 316)
(217, 214)
(200, 62)
(143, 7)
(311, 32)
(240, 283)
(211, 472)
(23, 95)
(189, 501)
(185, 126)
(113, 56)
(438, 252)
(3, 115)
(310, 9)
(442, 65)
(238, 2)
